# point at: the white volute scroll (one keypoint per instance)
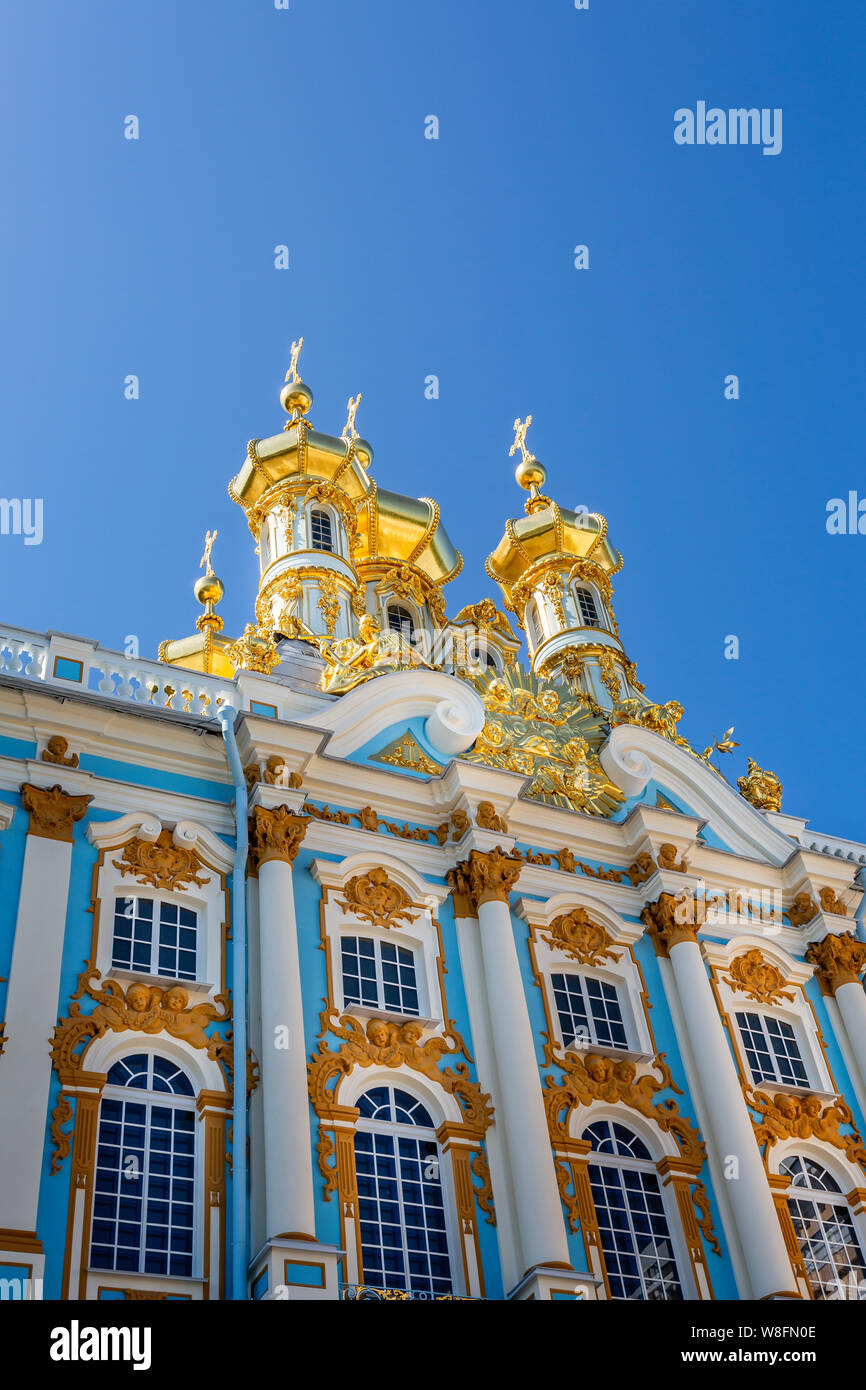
(453, 712)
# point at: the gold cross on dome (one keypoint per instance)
(520, 428)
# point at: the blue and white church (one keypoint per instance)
(381, 953)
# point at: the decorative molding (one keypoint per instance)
(385, 1044)
(801, 911)
(161, 863)
(377, 899)
(491, 876)
(406, 751)
(838, 960)
(589, 1077)
(785, 1116)
(484, 1194)
(576, 935)
(754, 976)
(57, 751)
(53, 812)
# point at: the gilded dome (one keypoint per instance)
(550, 533)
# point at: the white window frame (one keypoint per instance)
(585, 974)
(380, 939)
(600, 608)
(749, 1006)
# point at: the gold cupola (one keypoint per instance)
(332, 545)
(554, 568)
(207, 650)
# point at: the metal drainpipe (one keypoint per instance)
(239, 1008)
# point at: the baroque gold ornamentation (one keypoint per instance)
(483, 1194)
(61, 1139)
(667, 855)
(57, 751)
(578, 936)
(406, 751)
(52, 811)
(805, 1117)
(276, 834)
(588, 1077)
(487, 818)
(839, 960)
(665, 929)
(162, 864)
(255, 651)
(751, 974)
(830, 903)
(385, 1044)
(609, 669)
(760, 787)
(541, 731)
(801, 911)
(277, 775)
(140, 1008)
(642, 869)
(377, 899)
(328, 603)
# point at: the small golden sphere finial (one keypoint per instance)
(529, 473)
(208, 589)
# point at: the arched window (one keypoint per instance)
(401, 1208)
(535, 624)
(772, 1049)
(379, 974)
(155, 938)
(589, 1011)
(635, 1238)
(321, 531)
(586, 607)
(401, 620)
(144, 1199)
(825, 1231)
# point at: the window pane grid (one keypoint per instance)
(772, 1050)
(588, 611)
(144, 1200)
(379, 974)
(172, 952)
(588, 1010)
(320, 531)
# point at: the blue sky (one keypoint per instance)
(455, 257)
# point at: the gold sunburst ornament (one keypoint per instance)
(539, 729)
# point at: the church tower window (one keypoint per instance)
(400, 620)
(401, 1205)
(587, 607)
(321, 531)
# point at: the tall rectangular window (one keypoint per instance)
(379, 974)
(772, 1050)
(155, 938)
(589, 1011)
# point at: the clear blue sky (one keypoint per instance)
(454, 257)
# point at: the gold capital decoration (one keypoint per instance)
(839, 960)
(276, 834)
(576, 935)
(377, 899)
(665, 929)
(52, 811)
(461, 890)
(761, 788)
(406, 751)
(161, 864)
(805, 1117)
(491, 876)
(754, 976)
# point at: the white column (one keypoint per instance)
(521, 1110)
(288, 1155)
(851, 999)
(733, 1135)
(839, 960)
(32, 1000)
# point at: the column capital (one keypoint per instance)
(53, 812)
(838, 960)
(275, 834)
(482, 878)
(666, 931)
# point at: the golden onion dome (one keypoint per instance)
(300, 454)
(398, 530)
(550, 533)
